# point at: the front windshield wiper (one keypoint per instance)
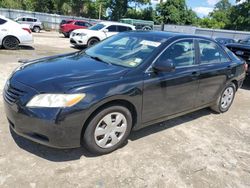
(99, 59)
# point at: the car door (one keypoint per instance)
(112, 30)
(214, 68)
(168, 93)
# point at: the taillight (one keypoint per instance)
(27, 29)
(246, 67)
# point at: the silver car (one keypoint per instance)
(34, 23)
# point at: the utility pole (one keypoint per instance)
(162, 22)
(100, 11)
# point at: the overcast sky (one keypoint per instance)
(201, 7)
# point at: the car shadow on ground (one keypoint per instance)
(79, 47)
(59, 155)
(21, 47)
(169, 124)
(24, 47)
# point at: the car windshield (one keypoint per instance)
(126, 49)
(97, 27)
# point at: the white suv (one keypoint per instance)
(98, 32)
(34, 23)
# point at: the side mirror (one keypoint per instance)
(164, 66)
(105, 30)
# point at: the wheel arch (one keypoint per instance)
(10, 36)
(94, 37)
(122, 102)
(235, 82)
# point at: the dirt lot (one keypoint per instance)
(201, 149)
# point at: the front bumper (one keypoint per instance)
(78, 41)
(26, 39)
(48, 126)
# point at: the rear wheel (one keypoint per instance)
(108, 130)
(36, 29)
(92, 41)
(225, 100)
(10, 43)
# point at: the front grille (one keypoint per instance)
(245, 53)
(11, 94)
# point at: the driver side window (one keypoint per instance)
(181, 53)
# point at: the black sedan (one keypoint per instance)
(126, 82)
(242, 50)
(224, 41)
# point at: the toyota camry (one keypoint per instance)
(95, 97)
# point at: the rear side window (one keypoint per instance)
(211, 53)
(123, 28)
(80, 23)
(30, 20)
(181, 53)
(112, 28)
(2, 21)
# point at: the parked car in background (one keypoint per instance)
(139, 24)
(63, 22)
(66, 27)
(242, 50)
(34, 23)
(98, 32)
(126, 82)
(224, 41)
(12, 33)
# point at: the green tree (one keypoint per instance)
(240, 17)
(119, 8)
(221, 13)
(175, 12)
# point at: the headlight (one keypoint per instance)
(55, 100)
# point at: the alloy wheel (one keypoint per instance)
(10, 43)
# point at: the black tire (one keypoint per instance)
(36, 29)
(10, 43)
(66, 35)
(92, 42)
(89, 135)
(218, 107)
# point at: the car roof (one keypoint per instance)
(3, 17)
(26, 17)
(165, 34)
(115, 23)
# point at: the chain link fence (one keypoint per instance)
(50, 21)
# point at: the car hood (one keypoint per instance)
(65, 72)
(238, 45)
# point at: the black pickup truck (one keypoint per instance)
(242, 50)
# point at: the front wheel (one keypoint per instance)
(10, 43)
(92, 41)
(108, 130)
(225, 100)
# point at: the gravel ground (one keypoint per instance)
(201, 149)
